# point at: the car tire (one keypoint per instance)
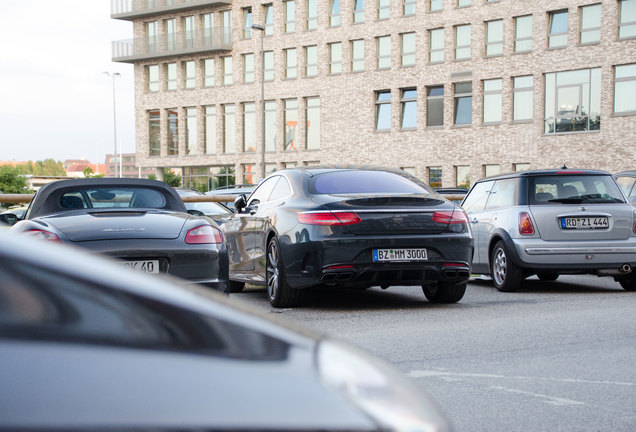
(506, 275)
(279, 293)
(547, 276)
(444, 292)
(628, 284)
(235, 287)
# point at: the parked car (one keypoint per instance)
(349, 227)
(141, 222)
(625, 181)
(244, 189)
(550, 222)
(88, 345)
(455, 194)
(217, 211)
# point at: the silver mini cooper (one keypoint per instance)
(551, 222)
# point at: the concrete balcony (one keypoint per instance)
(170, 45)
(130, 10)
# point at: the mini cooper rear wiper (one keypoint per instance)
(570, 200)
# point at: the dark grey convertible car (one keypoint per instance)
(86, 345)
(143, 223)
(349, 227)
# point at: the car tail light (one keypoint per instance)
(450, 217)
(43, 235)
(204, 234)
(329, 218)
(634, 228)
(525, 224)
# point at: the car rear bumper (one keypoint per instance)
(347, 261)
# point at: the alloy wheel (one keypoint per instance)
(499, 267)
(273, 279)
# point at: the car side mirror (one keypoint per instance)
(196, 212)
(240, 202)
(8, 218)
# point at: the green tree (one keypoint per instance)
(88, 172)
(171, 178)
(12, 182)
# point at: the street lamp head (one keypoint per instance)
(258, 27)
(113, 74)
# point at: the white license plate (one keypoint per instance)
(581, 223)
(380, 255)
(147, 266)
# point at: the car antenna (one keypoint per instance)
(564, 167)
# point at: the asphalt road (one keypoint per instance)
(556, 356)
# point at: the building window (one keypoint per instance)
(268, 61)
(210, 130)
(248, 68)
(627, 19)
(189, 75)
(435, 106)
(268, 19)
(409, 170)
(492, 101)
(462, 42)
(625, 89)
(249, 174)
(173, 132)
(523, 33)
(152, 35)
(247, 22)
(357, 55)
(226, 21)
(384, 9)
(335, 58)
(312, 114)
(383, 110)
(312, 14)
(384, 52)
(171, 76)
(222, 176)
(334, 13)
(208, 73)
(153, 78)
(494, 38)
(408, 49)
(521, 166)
(289, 8)
(207, 24)
(154, 133)
(291, 122)
(491, 170)
(270, 126)
(462, 176)
(408, 104)
(270, 168)
(408, 7)
(229, 128)
(590, 24)
(192, 132)
(558, 29)
(188, 28)
(436, 5)
(573, 101)
(358, 11)
(249, 127)
(435, 177)
(227, 71)
(522, 100)
(290, 63)
(311, 61)
(464, 3)
(170, 29)
(463, 107)
(436, 45)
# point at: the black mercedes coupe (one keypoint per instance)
(349, 227)
(143, 223)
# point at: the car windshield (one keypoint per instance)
(208, 207)
(112, 197)
(364, 182)
(574, 189)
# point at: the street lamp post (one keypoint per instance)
(113, 75)
(262, 31)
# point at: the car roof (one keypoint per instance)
(630, 173)
(544, 172)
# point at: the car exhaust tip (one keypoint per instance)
(626, 268)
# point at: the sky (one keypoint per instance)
(55, 100)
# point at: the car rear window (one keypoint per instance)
(573, 189)
(364, 182)
(110, 197)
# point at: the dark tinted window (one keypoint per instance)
(475, 201)
(362, 182)
(109, 197)
(573, 189)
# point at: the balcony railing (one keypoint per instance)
(132, 9)
(173, 44)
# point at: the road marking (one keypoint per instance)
(545, 398)
(458, 375)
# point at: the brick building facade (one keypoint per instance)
(450, 90)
